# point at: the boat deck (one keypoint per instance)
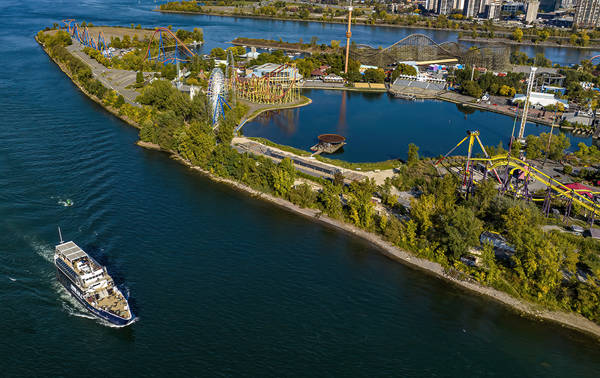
(115, 304)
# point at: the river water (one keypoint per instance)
(223, 284)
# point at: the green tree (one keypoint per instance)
(462, 231)
(485, 194)
(585, 39)
(471, 88)
(218, 53)
(422, 211)
(284, 176)
(413, 154)
(505, 90)
(488, 258)
(373, 75)
(302, 195)
(567, 169)
(139, 77)
(157, 94)
(517, 35)
(120, 101)
(541, 61)
(225, 129)
(574, 38)
(330, 198)
(387, 197)
(361, 207)
(403, 69)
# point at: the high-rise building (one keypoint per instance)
(532, 10)
(445, 6)
(493, 8)
(473, 7)
(566, 4)
(431, 5)
(587, 14)
(512, 7)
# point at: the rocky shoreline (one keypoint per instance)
(570, 320)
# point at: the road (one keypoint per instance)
(118, 80)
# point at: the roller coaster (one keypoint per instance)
(518, 186)
(276, 87)
(419, 47)
(164, 47)
(594, 58)
(83, 35)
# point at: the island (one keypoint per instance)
(497, 222)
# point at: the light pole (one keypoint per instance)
(348, 35)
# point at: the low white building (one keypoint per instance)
(540, 99)
(332, 78)
(288, 72)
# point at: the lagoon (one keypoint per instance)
(380, 127)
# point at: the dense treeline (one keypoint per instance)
(488, 82)
(443, 226)
(440, 224)
(56, 47)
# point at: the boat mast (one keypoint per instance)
(60, 235)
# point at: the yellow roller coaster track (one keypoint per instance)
(536, 174)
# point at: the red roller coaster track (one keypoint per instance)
(161, 56)
(594, 57)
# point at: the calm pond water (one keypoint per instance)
(380, 127)
(223, 284)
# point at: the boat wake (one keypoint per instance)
(44, 250)
(66, 203)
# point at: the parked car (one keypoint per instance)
(578, 230)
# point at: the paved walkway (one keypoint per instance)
(115, 79)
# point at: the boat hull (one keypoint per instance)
(76, 293)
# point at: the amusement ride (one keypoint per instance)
(83, 35)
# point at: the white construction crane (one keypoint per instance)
(526, 106)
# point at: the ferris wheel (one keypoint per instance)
(217, 91)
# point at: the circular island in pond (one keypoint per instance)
(329, 143)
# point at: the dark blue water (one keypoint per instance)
(223, 284)
(380, 127)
